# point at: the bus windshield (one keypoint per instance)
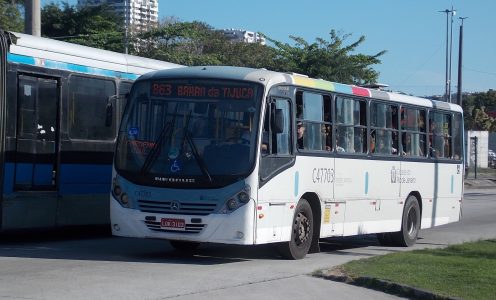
(188, 133)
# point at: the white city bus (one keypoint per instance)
(248, 156)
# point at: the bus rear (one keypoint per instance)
(184, 160)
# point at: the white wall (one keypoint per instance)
(482, 147)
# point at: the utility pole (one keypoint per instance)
(447, 91)
(126, 27)
(453, 12)
(460, 63)
(32, 17)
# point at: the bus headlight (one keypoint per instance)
(124, 200)
(119, 195)
(236, 201)
(117, 191)
(232, 204)
(243, 197)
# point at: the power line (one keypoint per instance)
(478, 71)
(421, 66)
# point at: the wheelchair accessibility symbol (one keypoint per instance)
(176, 166)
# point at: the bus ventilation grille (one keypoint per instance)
(185, 208)
(189, 228)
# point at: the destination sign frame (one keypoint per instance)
(203, 90)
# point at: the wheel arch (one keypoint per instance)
(314, 201)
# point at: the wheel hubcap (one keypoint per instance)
(412, 222)
(301, 229)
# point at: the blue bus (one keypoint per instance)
(55, 146)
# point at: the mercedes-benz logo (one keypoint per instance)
(175, 206)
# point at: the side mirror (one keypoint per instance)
(278, 124)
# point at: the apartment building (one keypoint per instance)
(141, 14)
(245, 36)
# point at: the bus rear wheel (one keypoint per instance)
(301, 233)
(410, 224)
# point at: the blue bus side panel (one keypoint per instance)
(43, 174)
(24, 173)
(83, 197)
(79, 179)
(39, 174)
(8, 178)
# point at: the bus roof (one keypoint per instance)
(41, 49)
(269, 78)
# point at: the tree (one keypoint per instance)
(10, 15)
(252, 55)
(197, 43)
(96, 26)
(186, 43)
(330, 60)
(477, 108)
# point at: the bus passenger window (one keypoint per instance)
(351, 125)
(87, 103)
(384, 128)
(440, 135)
(457, 136)
(413, 126)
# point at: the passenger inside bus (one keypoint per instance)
(237, 134)
(327, 131)
(300, 131)
(436, 140)
(409, 149)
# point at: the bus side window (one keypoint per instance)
(276, 131)
(265, 143)
(275, 146)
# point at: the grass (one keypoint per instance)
(466, 271)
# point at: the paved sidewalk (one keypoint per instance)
(482, 183)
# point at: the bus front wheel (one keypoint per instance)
(410, 224)
(301, 233)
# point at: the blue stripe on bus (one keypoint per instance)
(452, 183)
(27, 60)
(52, 64)
(85, 179)
(75, 179)
(296, 181)
(343, 88)
(8, 178)
(366, 183)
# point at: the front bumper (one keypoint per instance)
(236, 227)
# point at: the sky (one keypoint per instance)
(412, 32)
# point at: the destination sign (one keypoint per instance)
(202, 91)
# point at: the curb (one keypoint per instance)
(478, 187)
(380, 285)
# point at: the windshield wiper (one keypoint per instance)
(198, 158)
(154, 153)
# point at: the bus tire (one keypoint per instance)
(410, 223)
(301, 233)
(184, 246)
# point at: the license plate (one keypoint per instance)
(178, 224)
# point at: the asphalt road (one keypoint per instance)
(88, 264)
